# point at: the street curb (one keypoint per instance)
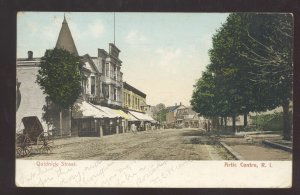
(236, 155)
(278, 146)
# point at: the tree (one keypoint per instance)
(159, 107)
(231, 69)
(60, 78)
(159, 112)
(251, 60)
(209, 98)
(271, 56)
(233, 89)
(203, 97)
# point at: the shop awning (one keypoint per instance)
(141, 116)
(121, 113)
(131, 117)
(108, 111)
(86, 109)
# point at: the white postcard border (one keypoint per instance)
(166, 174)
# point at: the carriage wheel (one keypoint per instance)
(23, 145)
(45, 142)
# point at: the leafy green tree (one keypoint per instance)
(159, 112)
(251, 60)
(271, 56)
(203, 97)
(210, 99)
(228, 67)
(59, 77)
(161, 115)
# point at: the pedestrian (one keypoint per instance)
(142, 126)
(133, 128)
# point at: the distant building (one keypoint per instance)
(171, 112)
(133, 99)
(149, 110)
(188, 118)
(134, 103)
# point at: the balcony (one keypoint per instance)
(115, 103)
(109, 80)
(94, 99)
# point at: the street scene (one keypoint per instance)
(154, 86)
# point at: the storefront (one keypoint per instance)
(143, 122)
(88, 120)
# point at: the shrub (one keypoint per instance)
(269, 122)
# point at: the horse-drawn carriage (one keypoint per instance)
(32, 137)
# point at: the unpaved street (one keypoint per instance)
(167, 144)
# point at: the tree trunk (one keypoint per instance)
(222, 122)
(70, 134)
(214, 123)
(60, 122)
(233, 124)
(225, 121)
(286, 121)
(245, 119)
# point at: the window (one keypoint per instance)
(115, 72)
(105, 90)
(128, 99)
(87, 86)
(99, 87)
(103, 67)
(115, 94)
(118, 74)
(135, 102)
(84, 87)
(93, 85)
(112, 70)
(107, 69)
(124, 98)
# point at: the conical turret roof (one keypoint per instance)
(65, 39)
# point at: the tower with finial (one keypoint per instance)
(65, 39)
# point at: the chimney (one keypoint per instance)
(180, 104)
(175, 104)
(30, 55)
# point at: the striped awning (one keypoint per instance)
(86, 109)
(121, 113)
(108, 111)
(141, 116)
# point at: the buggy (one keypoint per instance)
(32, 136)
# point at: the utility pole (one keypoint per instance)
(114, 28)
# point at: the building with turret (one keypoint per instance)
(31, 100)
(65, 40)
(99, 109)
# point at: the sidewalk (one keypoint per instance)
(254, 149)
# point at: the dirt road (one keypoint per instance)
(167, 144)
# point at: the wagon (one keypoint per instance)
(32, 136)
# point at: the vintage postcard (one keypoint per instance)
(172, 100)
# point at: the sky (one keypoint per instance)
(163, 54)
